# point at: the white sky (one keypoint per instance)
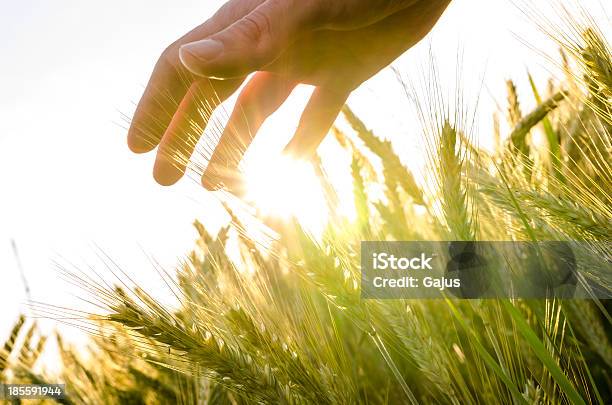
(67, 179)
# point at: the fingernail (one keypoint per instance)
(204, 50)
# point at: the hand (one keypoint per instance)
(333, 45)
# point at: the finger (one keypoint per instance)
(318, 117)
(170, 80)
(187, 125)
(253, 41)
(355, 14)
(161, 98)
(261, 96)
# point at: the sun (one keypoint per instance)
(286, 188)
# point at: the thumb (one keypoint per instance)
(251, 42)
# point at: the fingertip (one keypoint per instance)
(210, 183)
(139, 142)
(302, 147)
(236, 186)
(228, 179)
(167, 172)
(163, 179)
(317, 119)
(211, 178)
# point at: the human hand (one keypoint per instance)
(332, 45)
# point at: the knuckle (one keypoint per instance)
(169, 56)
(225, 12)
(228, 12)
(256, 25)
(306, 14)
(318, 10)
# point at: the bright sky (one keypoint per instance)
(68, 182)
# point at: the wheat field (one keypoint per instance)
(293, 328)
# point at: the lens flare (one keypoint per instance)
(286, 188)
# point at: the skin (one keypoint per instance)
(332, 45)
